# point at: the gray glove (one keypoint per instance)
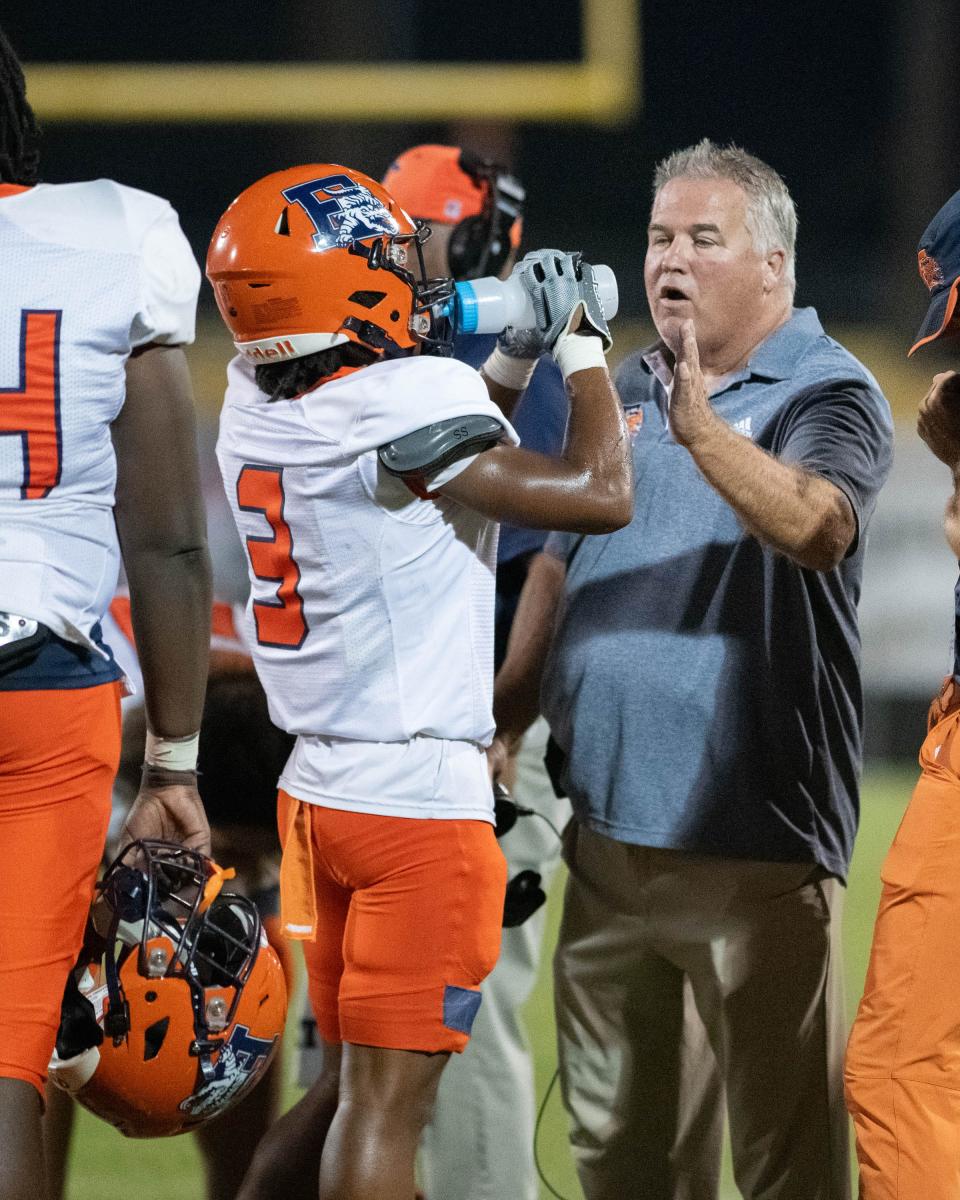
(549, 277)
(564, 299)
(593, 321)
(527, 344)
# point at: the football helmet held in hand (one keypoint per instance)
(177, 1003)
(317, 256)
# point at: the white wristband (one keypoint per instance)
(512, 373)
(578, 352)
(174, 754)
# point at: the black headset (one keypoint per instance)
(480, 245)
(524, 894)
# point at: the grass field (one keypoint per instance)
(107, 1166)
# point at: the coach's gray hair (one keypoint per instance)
(771, 215)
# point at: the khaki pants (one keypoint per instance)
(903, 1062)
(682, 980)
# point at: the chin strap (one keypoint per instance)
(78, 1030)
(123, 893)
(116, 1017)
(373, 336)
(214, 885)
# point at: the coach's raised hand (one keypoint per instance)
(691, 415)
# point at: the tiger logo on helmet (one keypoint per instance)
(317, 256)
(177, 1003)
(349, 212)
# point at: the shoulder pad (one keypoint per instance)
(437, 446)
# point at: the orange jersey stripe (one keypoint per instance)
(33, 409)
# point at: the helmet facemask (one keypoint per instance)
(213, 938)
(430, 323)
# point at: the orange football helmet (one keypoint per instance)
(316, 256)
(177, 1003)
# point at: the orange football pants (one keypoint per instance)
(903, 1058)
(404, 915)
(58, 757)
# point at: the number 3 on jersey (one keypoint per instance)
(279, 622)
(31, 411)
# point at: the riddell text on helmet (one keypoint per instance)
(279, 349)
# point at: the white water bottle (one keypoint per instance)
(491, 305)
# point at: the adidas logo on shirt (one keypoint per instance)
(743, 426)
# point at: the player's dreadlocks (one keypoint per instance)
(19, 134)
(283, 381)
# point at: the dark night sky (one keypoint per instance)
(808, 86)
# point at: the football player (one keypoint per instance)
(366, 479)
(98, 299)
(475, 210)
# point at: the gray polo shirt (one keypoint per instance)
(706, 690)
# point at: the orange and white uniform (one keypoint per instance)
(91, 272)
(371, 624)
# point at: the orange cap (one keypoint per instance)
(429, 182)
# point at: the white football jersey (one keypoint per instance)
(371, 610)
(90, 272)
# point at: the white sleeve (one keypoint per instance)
(169, 285)
(410, 394)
